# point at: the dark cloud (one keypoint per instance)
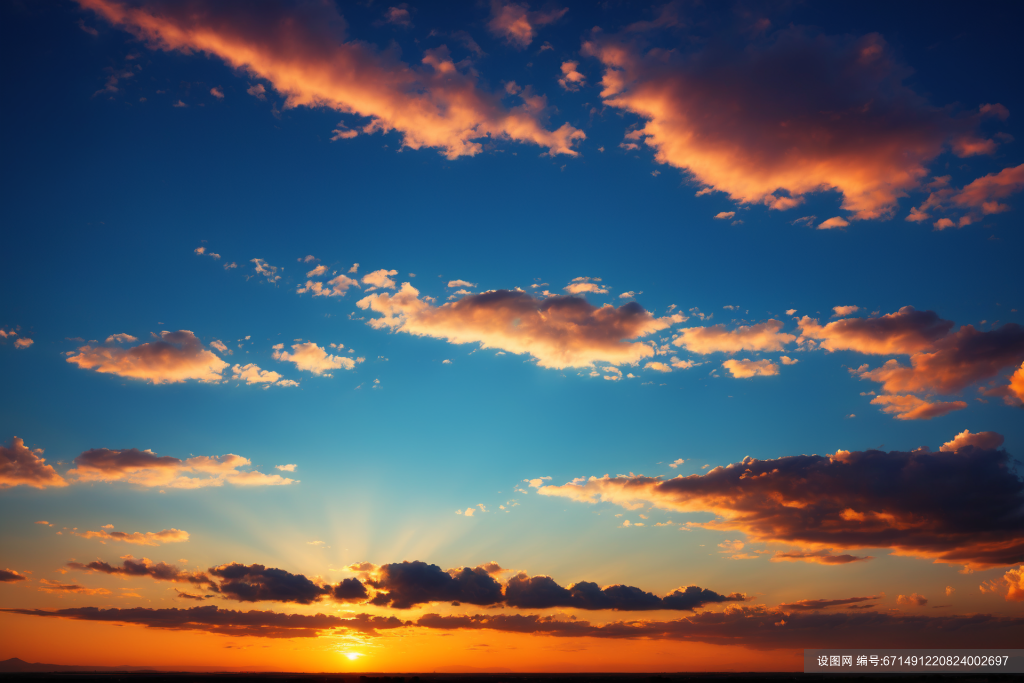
(818, 557)
(801, 605)
(349, 590)
(23, 466)
(191, 596)
(541, 592)
(159, 571)
(10, 576)
(960, 507)
(256, 583)
(211, 619)
(403, 585)
(761, 628)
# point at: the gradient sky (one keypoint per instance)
(493, 333)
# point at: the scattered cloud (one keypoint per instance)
(516, 24)
(146, 468)
(743, 369)
(571, 79)
(380, 279)
(766, 336)
(843, 311)
(138, 537)
(913, 599)
(312, 358)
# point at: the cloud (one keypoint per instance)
(1012, 392)
(676, 463)
(843, 311)
(399, 16)
(794, 110)
(176, 357)
(256, 583)
(979, 198)
(10, 576)
(581, 286)
(265, 269)
(786, 360)
(252, 374)
(23, 343)
(725, 215)
(904, 332)
(818, 557)
(516, 24)
(139, 537)
(24, 466)
(764, 336)
(406, 584)
(910, 407)
(954, 361)
(302, 53)
(452, 284)
(746, 368)
(312, 358)
(219, 345)
(835, 222)
(48, 586)
(285, 468)
(806, 605)
(211, 619)
(217, 92)
(560, 331)
(913, 599)
(146, 468)
(541, 592)
(337, 286)
(659, 366)
(1012, 582)
(983, 440)
(317, 271)
(258, 91)
(954, 508)
(380, 279)
(762, 628)
(571, 80)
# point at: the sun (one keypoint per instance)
(353, 656)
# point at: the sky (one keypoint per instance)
(495, 336)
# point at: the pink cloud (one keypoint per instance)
(571, 80)
(979, 198)
(986, 440)
(146, 468)
(315, 359)
(176, 357)
(298, 51)
(560, 331)
(910, 407)
(906, 331)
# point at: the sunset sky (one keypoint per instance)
(494, 336)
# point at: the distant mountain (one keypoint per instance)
(15, 665)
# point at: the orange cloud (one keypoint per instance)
(910, 407)
(10, 576)
(985, 440)
(337, 286)
(954, 508)
(252, 374)
(176, 357)
(717, 339)
(298, 51)
(145, 468)
(745, 368)
(516, 24)
(24, 466)
(315, 359)
(957, 361)
(906, 331)
(818, 557)
(560, 331)
(978, 198)
(137, 538)
(792, 110)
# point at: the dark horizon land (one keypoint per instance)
(502, 336)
